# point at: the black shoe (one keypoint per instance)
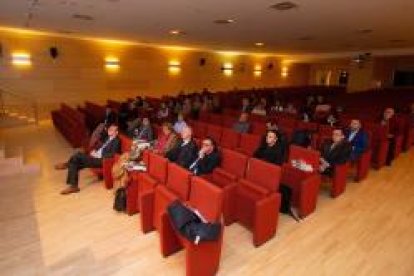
(293, 213)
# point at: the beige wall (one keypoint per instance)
(78, 74)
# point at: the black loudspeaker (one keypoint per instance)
(54, 53)
(202, 62)
(270, 66)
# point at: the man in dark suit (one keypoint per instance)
(208, 158)
(358, 139)
(185, 152)
(272, 149)
(389, 120)
(334, 152)
(81, 160)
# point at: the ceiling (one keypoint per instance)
(315, 26)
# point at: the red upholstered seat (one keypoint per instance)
(204, 258)
(248, 143)
(155, 174)
(199, 129)
(230, 139)
(154, 202)
(305, 185)
(258, 200)
(215, 132)
(232, 167)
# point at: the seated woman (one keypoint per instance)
(163, 112)
(144, 132)
(166, 140)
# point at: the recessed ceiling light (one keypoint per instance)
(224, 21)
(306, 38)
(176, 32)
(397, 40)
(259, 44)
(82, 17)
(365, 31)
(284, 6)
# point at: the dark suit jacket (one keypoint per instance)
(208, 163)
(275, 154)
(359, 143)
(112, 148)
(183, 155)
(337, 155)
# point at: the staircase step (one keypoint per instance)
(13, 161)
(9, 170)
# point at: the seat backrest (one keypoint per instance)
(234, 162)
(178, 181)
(249, 143)
(216, 119)
(258, 128)
(215, 132)
(228, 121)
(230, 138)
(199, 129)
(264, 174)
(206, 198)
(158, 167)
(309, 156)
(126, 143)
(203, 116)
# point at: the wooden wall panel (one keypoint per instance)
(78, 74)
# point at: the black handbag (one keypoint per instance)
(120, 200)
(190, 226)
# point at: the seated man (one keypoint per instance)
(272, 149)
(334, 152)
(185, 151)
(388, 119)
(242, 125)
(358, 139)
(81, 160)
(208, 158)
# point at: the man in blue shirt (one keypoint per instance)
(358, 139)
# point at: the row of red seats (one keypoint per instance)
(71, 123)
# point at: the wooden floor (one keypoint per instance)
(367, 231)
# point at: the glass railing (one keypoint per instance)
(18, 108)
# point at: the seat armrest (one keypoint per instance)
(253, 187)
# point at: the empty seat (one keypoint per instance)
(258, 200)
(230, 139)
(154, 202)
(232, 167)
(305, 185)
(203, 258)
(249, 143)
(215, 132)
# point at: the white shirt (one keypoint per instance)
(98, 153)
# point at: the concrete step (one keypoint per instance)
(12, 170)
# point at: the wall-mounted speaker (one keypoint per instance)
(54, 52)
(270, 66)
(202, 62)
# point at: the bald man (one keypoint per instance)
(186, 151)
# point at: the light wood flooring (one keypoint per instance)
(367, 231)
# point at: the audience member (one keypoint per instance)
(242, 125)
(110, 116)
(180, 124)
(163, 112)
(166, 140)
(358, 139)
(208, 158)
(81, 160)
(144, 132)
(334, 152)
(185, 152)
(271, 149)
(388, 119)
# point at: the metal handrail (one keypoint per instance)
(30, 102)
